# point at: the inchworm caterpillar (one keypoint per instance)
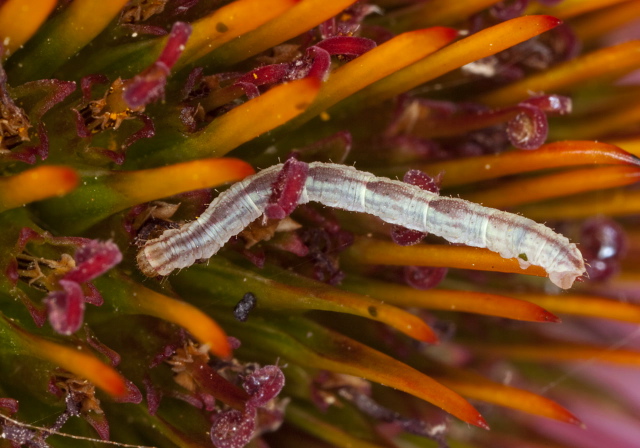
(395, 202)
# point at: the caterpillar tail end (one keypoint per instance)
(144, 265)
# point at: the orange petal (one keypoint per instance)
(155, 183)
(450, 300)
(82, 364)
(226, 23)
(201, 326)
(245, 122)
(522, 191)
(553, 155)
(60, 38)
(586, 305)
(476, 387)
(370, 251)
(559, 352)
(304, 16)
(606, 62)
(570, 8)
(608, 202)
(102, 196)
(477, 46)
(36, 184)
(20, 19)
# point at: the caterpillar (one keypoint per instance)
(395, 202)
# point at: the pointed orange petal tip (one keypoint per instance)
(481, 423)
(445, 33)
(550, 317)
(550, 21)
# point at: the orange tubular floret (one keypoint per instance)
(571, 8)
(608, 61)
(452, 300)
(302, 17)
(201, 326)
(610, 203)
(369, 251)
(384, 60)
(555, 185)
(227, 23)
(155, 183)
(586, 305)
(36, 184)
(552, 155)
(477, 46)
(251, 119)
(559, 352)
(82, 364)
(20, 19)
(476, 387)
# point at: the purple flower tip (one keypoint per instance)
(264, 385)
(66, 308)
(149, 85)
(286, 189)
(233, 429)
(94, 259)
(347, 45)
(529, 129)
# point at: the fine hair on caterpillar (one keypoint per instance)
(395, 202)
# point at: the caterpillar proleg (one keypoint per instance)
(395, 202)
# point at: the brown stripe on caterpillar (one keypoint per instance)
(456, 220)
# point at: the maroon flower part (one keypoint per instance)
(94, 259)
(346, 45)
(423, 277)
(321, 62)
(87, 82)
(232, 428)
(263, 385)
(126, 99)
(132, 394)
(467, 129)
(149, 85)
(65, 308)
(152, 394)
(603, 244)
(408, 237)
(92, 340)
(286, 189)
(529, 129)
